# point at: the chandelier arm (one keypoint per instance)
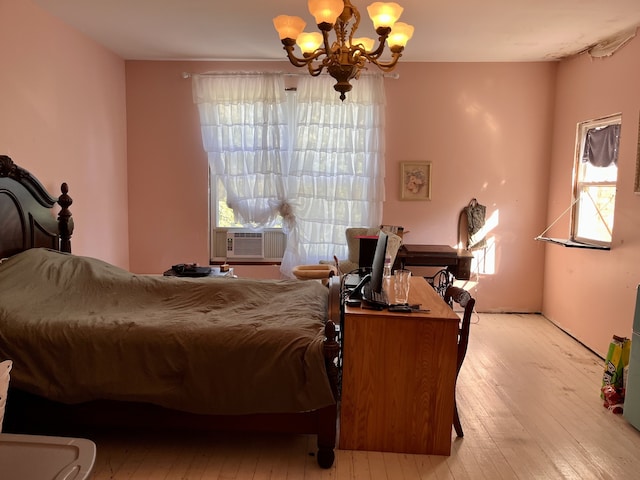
(378, 51)
(327, 45)
(295, 61)
(315, 71)
(385, 66)
(328, 61)
(302, 62)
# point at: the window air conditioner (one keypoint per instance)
(274, 243)
(245, 245)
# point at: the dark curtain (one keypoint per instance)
(601, 146)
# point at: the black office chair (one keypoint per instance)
(466, 301)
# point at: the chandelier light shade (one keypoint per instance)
(289, 27)
(384, 14)
(325, 11)
(400, 35)
(345, 56)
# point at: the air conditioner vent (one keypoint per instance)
(267, 245)
(245, 244)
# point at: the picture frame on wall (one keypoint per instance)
(415, 180)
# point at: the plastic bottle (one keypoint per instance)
(387, 267)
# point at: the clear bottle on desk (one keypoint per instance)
(387, 267)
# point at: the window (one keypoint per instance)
(594, 180)
(305, 161)
(221, 214)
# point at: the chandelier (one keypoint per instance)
(346, 56)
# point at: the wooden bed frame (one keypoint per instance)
(26, 218)
(27, 221)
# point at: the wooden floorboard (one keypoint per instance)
(530, 407)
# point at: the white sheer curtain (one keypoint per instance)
(308, 157)
(336, 175)
(244, 131)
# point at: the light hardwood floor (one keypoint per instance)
(529, 401)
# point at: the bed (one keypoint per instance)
(93, 344)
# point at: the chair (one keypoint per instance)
(466, 301)
(352, 235)
(440, 281)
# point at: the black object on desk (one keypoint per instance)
(367, 251)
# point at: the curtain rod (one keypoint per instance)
(186, 75)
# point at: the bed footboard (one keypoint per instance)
(331, 354)
(328, 416)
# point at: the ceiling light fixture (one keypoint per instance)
(347, 56)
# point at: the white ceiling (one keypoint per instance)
(445, 30)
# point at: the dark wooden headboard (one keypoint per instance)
(27, 219)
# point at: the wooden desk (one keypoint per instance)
(398, 376)
(457, 261)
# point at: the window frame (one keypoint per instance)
(578, 184)
(238, 155)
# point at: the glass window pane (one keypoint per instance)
(225, 216)
(595, 213)
(589, 173)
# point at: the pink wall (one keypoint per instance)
(503, 133)
(63, 118)
(485, 127)
(590, 293)
(168, 172)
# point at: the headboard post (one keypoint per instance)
(65, 222)
(26, 217)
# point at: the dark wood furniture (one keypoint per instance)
(27, 221)
(466, 301)
(398, 376)
(457, 261)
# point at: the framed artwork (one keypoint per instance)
(415, 180)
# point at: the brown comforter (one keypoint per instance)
(80, 329)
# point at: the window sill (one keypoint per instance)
(246, 262)
(572, 244)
